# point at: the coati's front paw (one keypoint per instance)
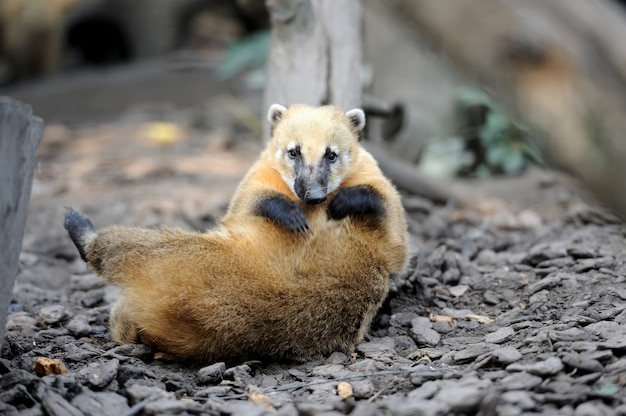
(359, 202)
(285, 212)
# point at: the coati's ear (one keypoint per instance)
(356, 117)
(275, 114)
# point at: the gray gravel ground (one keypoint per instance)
(523, 319)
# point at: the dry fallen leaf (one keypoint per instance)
(441, 318)
(162, 132)
(344, 389)
(479, 318)
(257, 397)
(45, 366)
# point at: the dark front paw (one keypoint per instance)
(284, 212)
(359, 202)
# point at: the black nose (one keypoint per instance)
(314, 201)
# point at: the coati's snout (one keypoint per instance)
(311, 183)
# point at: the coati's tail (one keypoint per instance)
(80, 229)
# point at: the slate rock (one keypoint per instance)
(79, 326)
(21, 322)
(169, 407)
(517, 398)
(594, 264)
(53, 314)
(547, 367)
(520, 381)
(472, 352)
(501, 335)
(211, 374)
(403, 407)
(423, 334)
(99, 374)
(462, 399)
(581, 363)
(402, 319)
(17, 376)
(138, 392)
(337, 357)
(100, 403)
(425, 391)
(55, 405)
(595, 408)
(506, 355)
(604, 329)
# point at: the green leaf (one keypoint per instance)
(248, 53)
(495, 129)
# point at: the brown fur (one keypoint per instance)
(249, 288)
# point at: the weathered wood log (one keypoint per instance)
(20, 134)
(559, 66)
(315, 54)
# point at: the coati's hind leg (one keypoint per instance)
(123, 329)
(80, 229)
(359, 202)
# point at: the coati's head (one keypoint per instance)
(313, 147)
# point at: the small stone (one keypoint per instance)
(367, 365)
(53, 314)
(100, 403)
(138, 392)
(520, 381)
(92, 298)
(55, 405)
(337, 357)
(595, 408)
(402, 319)
(472, 352)
(169, 407)
(422, 332)
(501, 335)
(211, 374)
(603, 329)
(616, 342)
(528, 219)
(545, 283)
(506, 355)
(362, 389)
(21, 322)
(405, 407)
(548, 367)
(426, 391)
(86, 282)
(458, 290)
(79, 326)
(99, 374)
(585, 265)
(521, 399)
(579, 362)
(464, 399)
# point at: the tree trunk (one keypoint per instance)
(315, 55)
(20, 134)
(560, 66)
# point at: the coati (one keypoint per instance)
(296, 268)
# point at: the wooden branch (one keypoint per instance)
(560, 66)
(20, 134)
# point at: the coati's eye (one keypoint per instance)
(292, 153)
(331, 156)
